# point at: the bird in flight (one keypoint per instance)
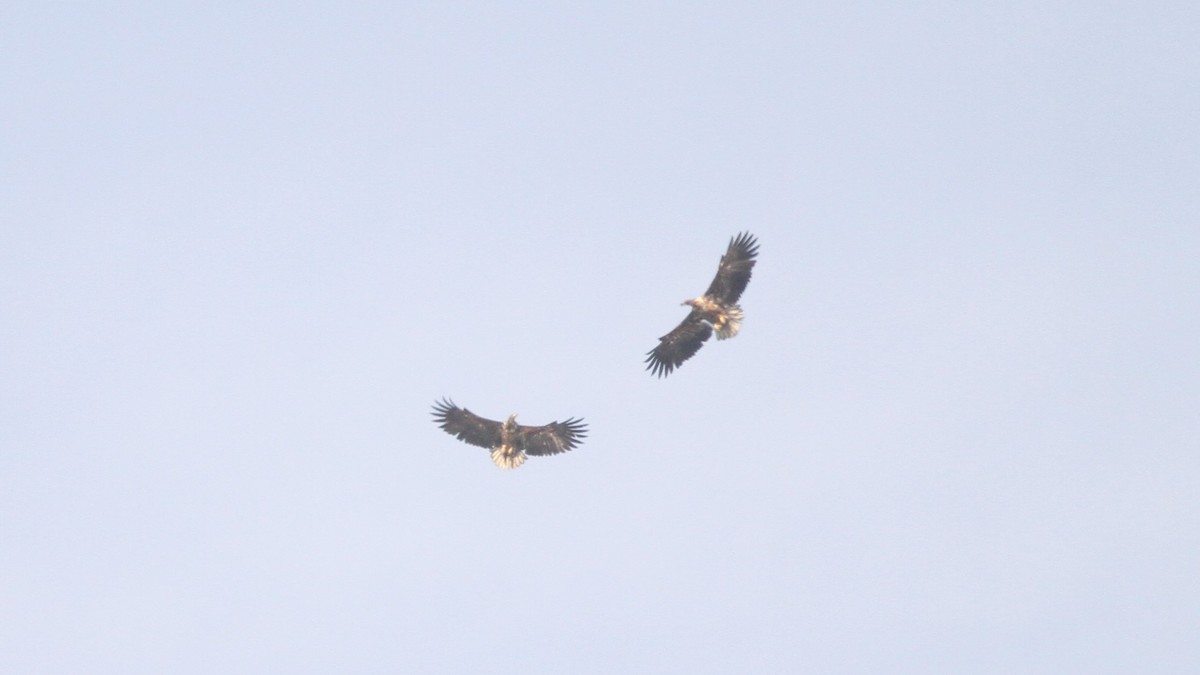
(508, 441)
(716, 310)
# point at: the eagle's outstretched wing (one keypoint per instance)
(553, 438)
(466, 425)
(734, 271)
(678, 346)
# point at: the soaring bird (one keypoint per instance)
(716, 310)
(508, 441)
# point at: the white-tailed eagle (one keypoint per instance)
(716, 310)
(509, 442)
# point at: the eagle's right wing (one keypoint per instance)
(678, 346)
(466, 425)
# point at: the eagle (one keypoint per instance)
(509, 442)
(716, 310)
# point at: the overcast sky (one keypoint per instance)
(245, 247)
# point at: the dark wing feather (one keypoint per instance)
(678, 346)
(734, 271)
(466, 425)
(553, 438)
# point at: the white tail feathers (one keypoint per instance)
(729, 323)
(505, 458)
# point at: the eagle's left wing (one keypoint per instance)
(734, 271)
(553, 438)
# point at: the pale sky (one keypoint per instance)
(246, 247)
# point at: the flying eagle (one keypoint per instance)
(716, 309)
(508, 441)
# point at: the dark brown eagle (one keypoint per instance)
(508, 441)
(716, 310)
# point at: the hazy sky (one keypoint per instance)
(245, 247)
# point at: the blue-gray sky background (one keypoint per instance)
(246, 246)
